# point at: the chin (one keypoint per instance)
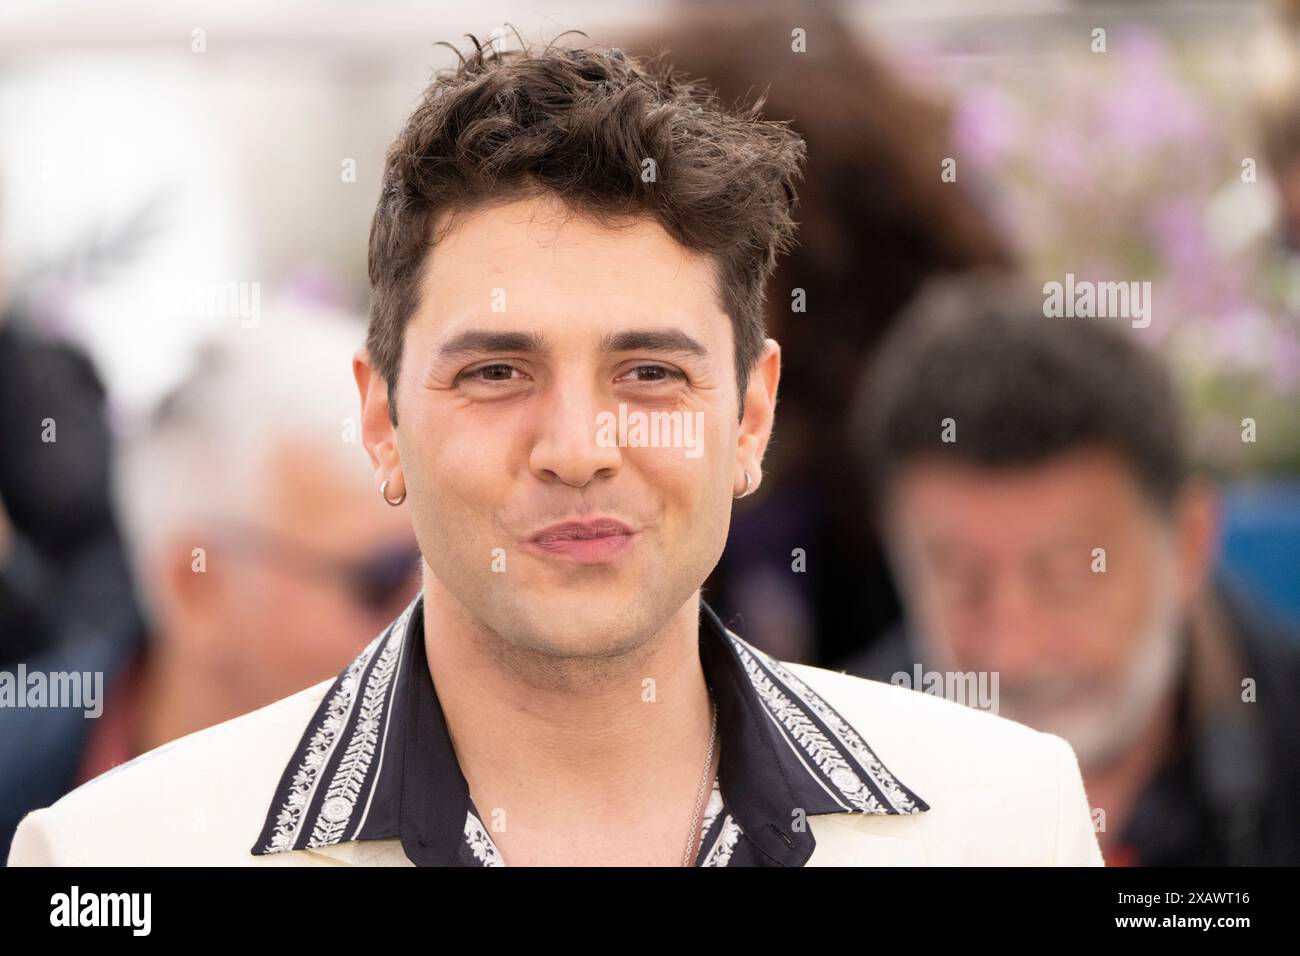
(576, 623)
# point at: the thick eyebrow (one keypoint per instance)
(487, 342)
(652, 340)
(482, 341)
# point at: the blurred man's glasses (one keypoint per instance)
(375, 582)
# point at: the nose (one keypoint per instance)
(567, 448)
(1012, 638)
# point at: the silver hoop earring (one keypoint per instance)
(748, 481)
(383, 491)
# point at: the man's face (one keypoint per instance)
(283, 603)
(303, 621)
(1001, 573)
(529, 328)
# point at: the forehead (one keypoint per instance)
(537, 260)
(1091, 491)
(321, 496)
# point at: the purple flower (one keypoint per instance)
(987, 125)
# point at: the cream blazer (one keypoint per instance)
(1000, 794)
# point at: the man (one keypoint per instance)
(63, 571)
(263, 560)
(65, 589)
(566, 240)
(875, 223)
(1036, 501)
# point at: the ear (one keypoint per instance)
(192, 584)
(759, 410)
(1197, 529)
(377, 431)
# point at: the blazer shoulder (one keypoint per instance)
(998, 790)
(199, 799)
(889, 709)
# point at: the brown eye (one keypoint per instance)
(498, 372)
(655, 373)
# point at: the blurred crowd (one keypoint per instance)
(957, 484)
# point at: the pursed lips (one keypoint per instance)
(594, 541)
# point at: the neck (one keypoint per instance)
(179, 696)
(584, 748)
(1117, 786)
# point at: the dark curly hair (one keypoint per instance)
(580, 123)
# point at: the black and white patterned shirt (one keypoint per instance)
(376, 762)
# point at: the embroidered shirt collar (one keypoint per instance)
(376, 761)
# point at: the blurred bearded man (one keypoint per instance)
(1033, 487)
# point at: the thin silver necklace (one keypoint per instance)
(704, 780)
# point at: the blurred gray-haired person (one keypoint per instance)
(262, 560)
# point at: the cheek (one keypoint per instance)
(693, 485)
(940, 626)
(452, 473)
(683, 483)
(689, 500)
(959, 634)
(1119, 620)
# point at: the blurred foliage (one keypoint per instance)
(1142, 163)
